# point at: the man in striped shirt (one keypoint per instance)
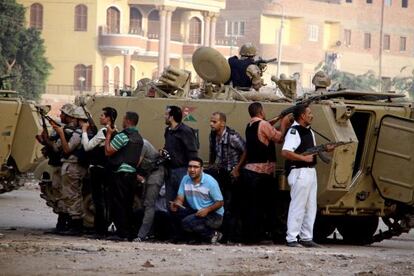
(124, 151)
(199, 202)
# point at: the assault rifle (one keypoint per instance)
(321, 149)
(262, 63)
(44, 116)
(92, 126)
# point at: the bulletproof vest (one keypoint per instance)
(80, 153)
(238, 71)
(257, 152)
(306, 142)
(130, 153)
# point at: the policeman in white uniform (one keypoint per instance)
(302, 179)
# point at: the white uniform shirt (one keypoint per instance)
(97, 140)
(292, 139)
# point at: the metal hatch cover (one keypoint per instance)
(393, 165)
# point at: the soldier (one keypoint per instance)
(258, 182)
(53, 151)
(72, 171)
(97, 169)
(180, 143)
(227, 155)
(301, 178)
(124, 151)
(244, 73)
(321, 82)
(151, 172)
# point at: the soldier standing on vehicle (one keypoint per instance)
(321, 82)
(95, 147)
(257, 178)
(201, 194)
(124, 151)
(227, 155)
(180, 143)
(53, 151)
(72, 171)
(301, 178)
(244, 72)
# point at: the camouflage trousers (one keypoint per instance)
(51, 190)
(71, 192)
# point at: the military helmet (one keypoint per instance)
(79, 113)
(247, 50)
(321, 79)
(67, 109)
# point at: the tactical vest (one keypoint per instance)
(128, 154)
(55, 157)
(257, 152)
(306, 142)
(238, 71)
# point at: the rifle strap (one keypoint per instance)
(321, 135)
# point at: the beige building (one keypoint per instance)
(103, 46)
(345, 33)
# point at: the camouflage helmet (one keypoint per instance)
(247, 50)
(79, 113)
(321, 79)
(67, 109)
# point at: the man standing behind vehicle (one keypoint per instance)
(227, 155)
(97, 169)
(124, 151)
(258, 182)
(180, 142)
(301, 178)
(151, 171)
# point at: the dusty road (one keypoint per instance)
(25, 250)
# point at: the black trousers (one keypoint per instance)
(99, 187)
(259, 208)
(123, 192)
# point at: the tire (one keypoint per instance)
(324, 226)
(358, 230)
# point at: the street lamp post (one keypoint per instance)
(279, 50)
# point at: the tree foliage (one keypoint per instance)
(405, 83)
(22, 52)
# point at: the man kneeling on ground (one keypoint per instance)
(199, 203)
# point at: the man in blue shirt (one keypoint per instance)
(199, 202)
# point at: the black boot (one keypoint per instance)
(75, 228)
(61, 224)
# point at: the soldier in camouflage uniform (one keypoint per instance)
(72, 172)
(321, 82)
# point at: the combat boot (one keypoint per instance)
(62, 224)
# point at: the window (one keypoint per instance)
(106, 79)
(404, 3)
(347, 34)
(153, 24)
(367, 41)
(403, 44)
(235, 28)
(369, 1)
(388, 3)
(81, 18)
(387, 42)
(83, 77)
(348, 1)
(112, 20)
(36, 16)
(195, 31)
(116, 80)
(313, 32)
(135, 21)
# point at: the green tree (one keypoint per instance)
(21, 52)
(404, 83)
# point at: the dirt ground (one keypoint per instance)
(26, 250)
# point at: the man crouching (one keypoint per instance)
(199, 203)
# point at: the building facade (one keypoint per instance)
(103, 46)
(343, 33)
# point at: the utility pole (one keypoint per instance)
(279, 46)
(381, 45)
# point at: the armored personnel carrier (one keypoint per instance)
(368, 178)
(19, 151)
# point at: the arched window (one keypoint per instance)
(106, 79)
(113, 20)
(195, 31)
(83, 77)
(135, 21)
(116, 80)
(36, 16)
(81, 18)
(153, 24)
(132, 77)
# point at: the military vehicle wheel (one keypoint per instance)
(358, 230)
(324, 226)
